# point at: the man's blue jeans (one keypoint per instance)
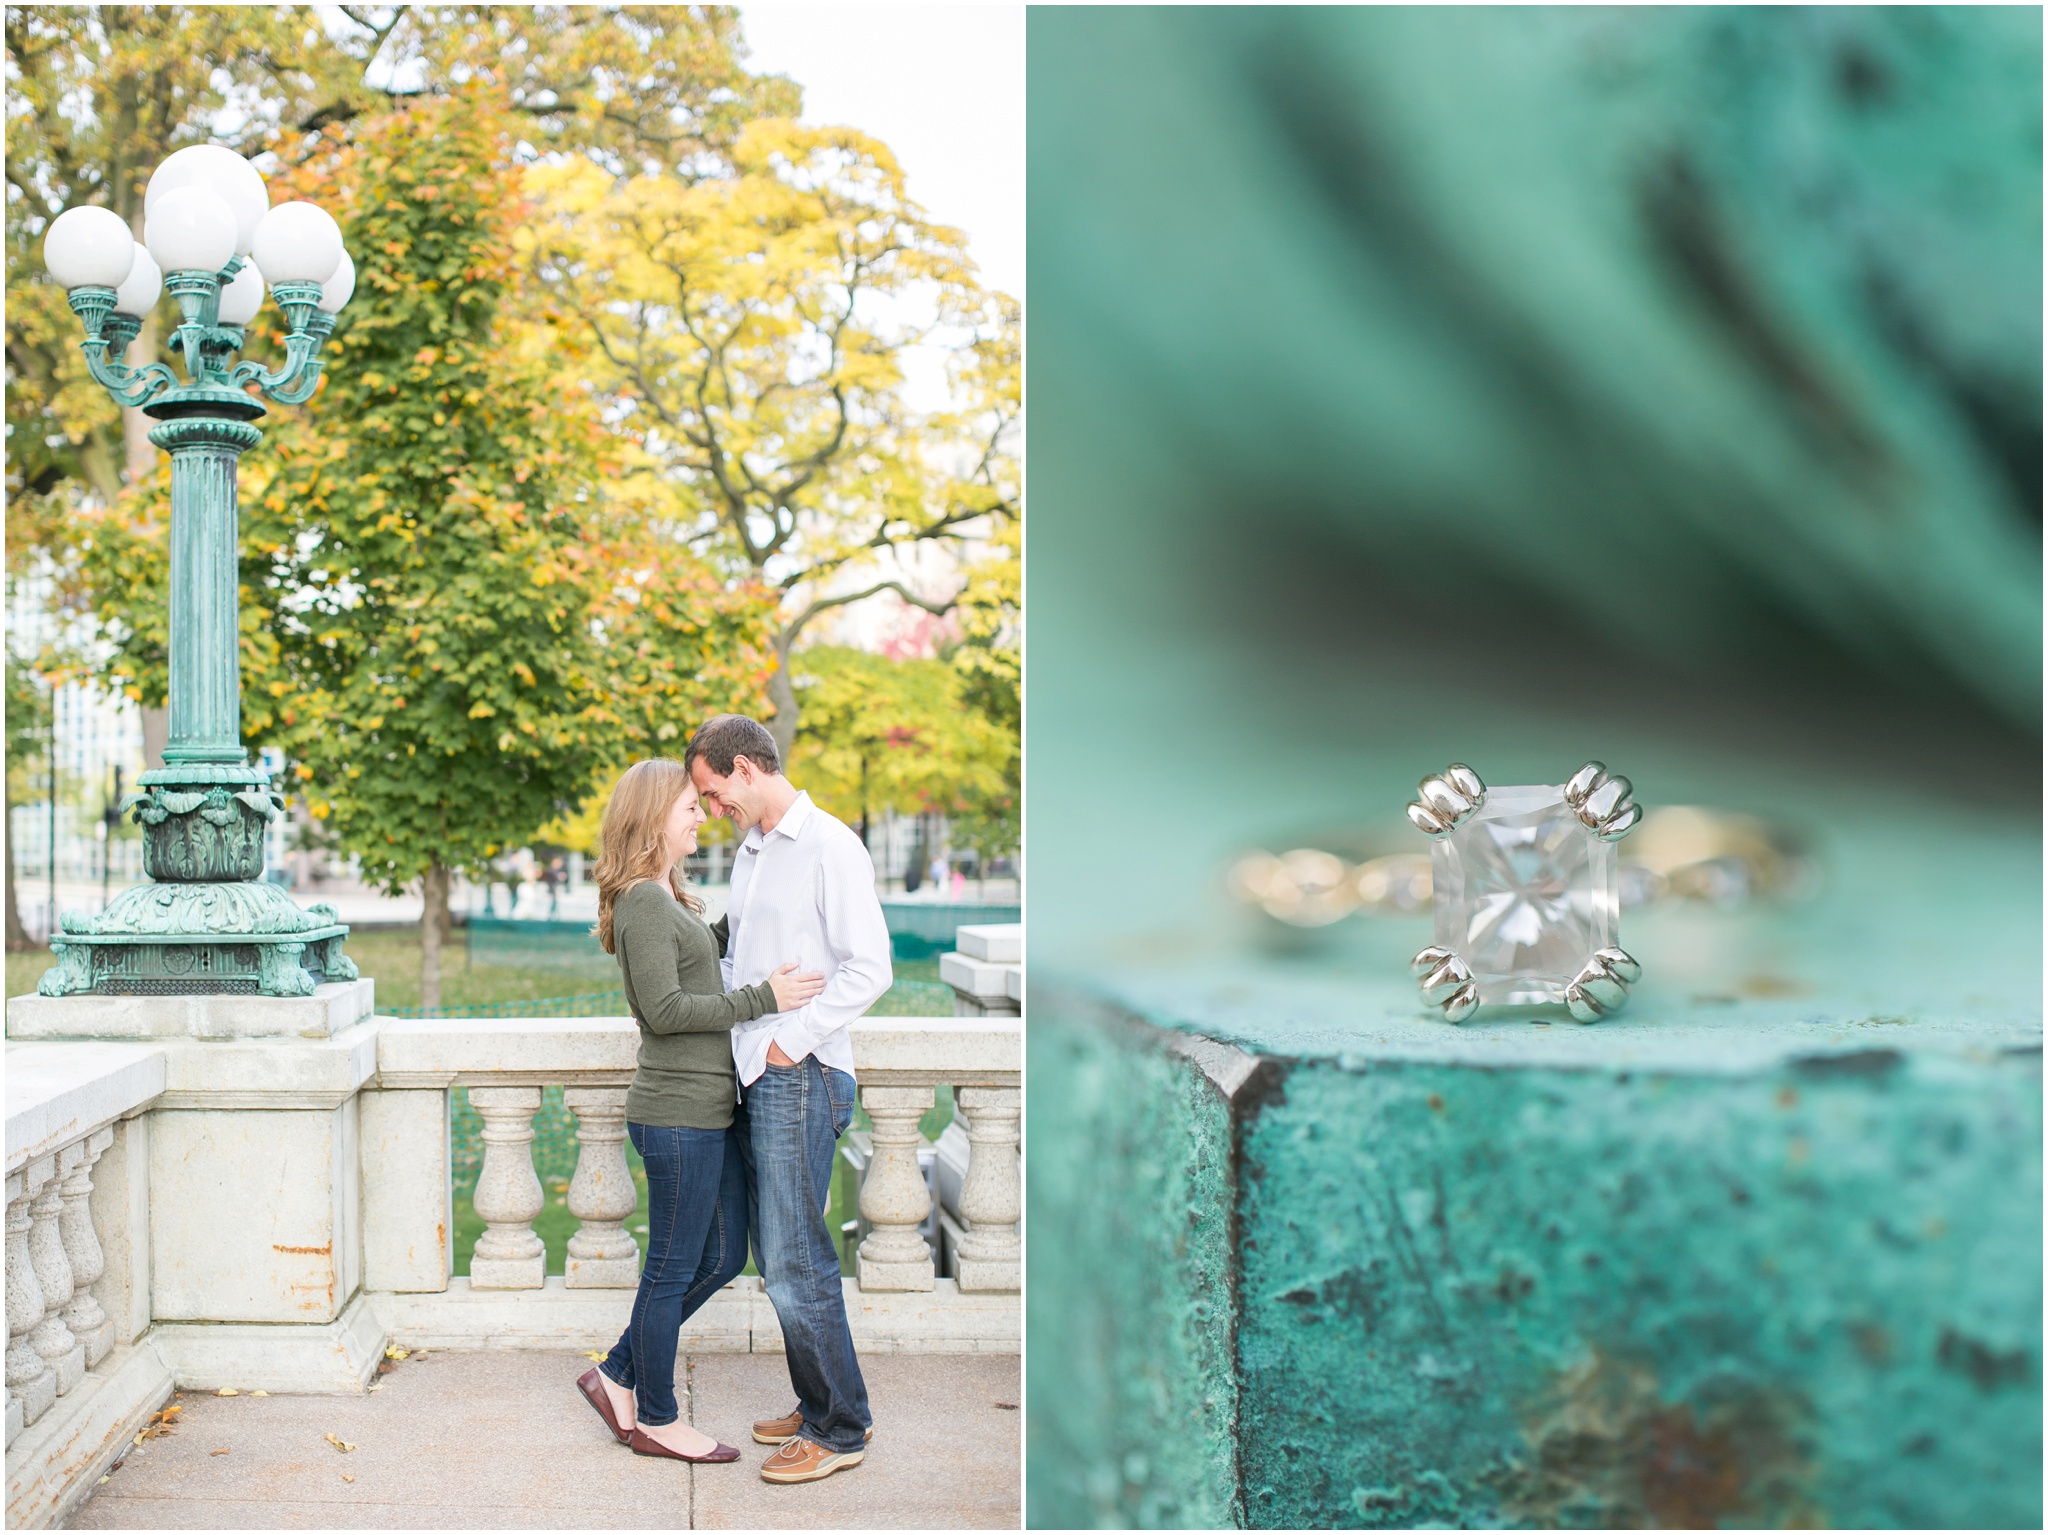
(696, 1242)
(789, 1127)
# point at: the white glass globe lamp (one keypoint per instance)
(145, 285)
(240, 299)
(297, 242)
(89, 247)
(190, 230)
(222, 172)
(336, 290)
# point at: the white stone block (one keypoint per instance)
(55, 1464)
(408, 1211)
(980, 979)
(506, 1052)
(269, 1073)
(330, 1009)
(1000, 942)
(336, 1357)
(1013, 986)
(930, 1052)
(60, 1093)
(555, 1317)
(940, 1320)
(120, 1214)
(249, 1214)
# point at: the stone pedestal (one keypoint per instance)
(508, 1255)
(601, 1194)
(893, 1196)
(990, 1254)
(328, 1011)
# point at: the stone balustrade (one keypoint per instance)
(136, 1173)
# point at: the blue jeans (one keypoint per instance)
(788, 1129)
(696, 1242)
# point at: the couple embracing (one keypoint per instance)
(744, 1082)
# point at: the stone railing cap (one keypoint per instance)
(59, 1093)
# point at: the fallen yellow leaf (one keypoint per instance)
(377, 1386)
(227, 1391)
(216, 1452)
(597, 1355)
(393, 1351)
(346, 1477)
(259, 1393)
(340, 1444)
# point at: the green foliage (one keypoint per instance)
(880, 734)
(445, 624)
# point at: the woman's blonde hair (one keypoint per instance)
(630, 841)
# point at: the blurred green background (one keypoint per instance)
(1520, 386)
(1515, 387)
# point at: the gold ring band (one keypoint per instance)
(1679, 852)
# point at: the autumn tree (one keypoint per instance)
(451, 637)
(745, 324)
(882, 734)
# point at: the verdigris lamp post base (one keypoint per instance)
(1327, 1263)
(210, 923)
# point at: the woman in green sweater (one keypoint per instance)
(679, 1109)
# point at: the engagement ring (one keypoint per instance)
(1499, 881)
(1527, 893)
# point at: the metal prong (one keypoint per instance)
(1620, 824)
(1582, 1007)
(1428, 960)
(1622, 964)
(1463, 1003)
(1603, 988)
(1444, 798)
(1466, 782)
(1581, 783)
(1445, 981)
(1426, 821)
(1607, 797)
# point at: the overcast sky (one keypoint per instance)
(941, 85)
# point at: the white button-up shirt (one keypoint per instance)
(804, 894)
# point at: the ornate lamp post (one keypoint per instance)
(209, 922)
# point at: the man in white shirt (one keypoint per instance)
(803, 891)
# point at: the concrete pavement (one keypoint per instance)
(498, 1440)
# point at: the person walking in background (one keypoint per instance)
(679, 1110)
(803, 888)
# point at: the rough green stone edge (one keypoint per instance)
(1132, 1320)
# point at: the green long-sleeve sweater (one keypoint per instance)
(669, 962)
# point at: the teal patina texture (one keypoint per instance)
(1732, 1275)
(1133, 1157)
(1645, 1298)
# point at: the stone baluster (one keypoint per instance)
(31, 1385)
(509, 1256)
(893, 1196)
(52, 1338)
(87, 1319)
(601, 1195)
(991, 1253)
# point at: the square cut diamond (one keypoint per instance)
(1524, 894)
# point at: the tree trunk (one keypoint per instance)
(433, 925)
(782, 693)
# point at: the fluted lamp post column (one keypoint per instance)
(209, 922)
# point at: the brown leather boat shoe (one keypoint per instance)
(782, 1430)
(643, 1445)
(593, 1391)
(806, 1460)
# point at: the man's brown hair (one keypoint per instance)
(726, 736)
